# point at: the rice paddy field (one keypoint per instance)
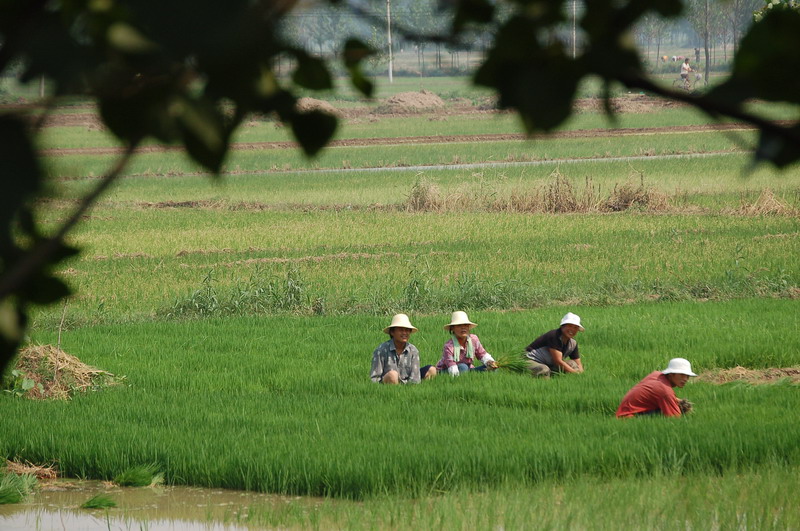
(242, 312)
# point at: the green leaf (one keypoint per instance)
(137, 104)
(356, 51)
(313, 130)
(43, 289)
(19, 172)
(203, 132)
(768, 53)
(777, 149)
(27, 384)
(311, 72)
(475, 11)
(539, 82)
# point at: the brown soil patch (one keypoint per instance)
(750, 376)
(44, 371)
(38, 471)
(311, 104)
(410, 102)
(631, 104)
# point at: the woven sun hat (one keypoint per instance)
(571, 318)
(400, 321)
(460, 318)
(679, 366)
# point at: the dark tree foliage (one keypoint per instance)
(142, 61)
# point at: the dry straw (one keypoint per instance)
(558, 196)
(37, 471)
(56, 374)
(767, 204)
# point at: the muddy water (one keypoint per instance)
(56, 505)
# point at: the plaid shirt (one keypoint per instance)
(385, 359)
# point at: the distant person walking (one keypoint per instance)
(396, 361)
(697, 55)
(655, 394)
(556, 350)
(463, 348)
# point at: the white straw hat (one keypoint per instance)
(679, 366)
(400, 321)
(460, 318)
(571, 318)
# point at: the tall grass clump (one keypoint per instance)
(15, 487)
(256, 295)
(425, 196)
(638, 196)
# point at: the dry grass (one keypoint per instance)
(767, 204)
(37, 471)
(558, 196)
(751, 376)
(52, 373)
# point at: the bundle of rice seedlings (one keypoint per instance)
(99, 501)
(14, 488)
(512, 362)
(140, 476)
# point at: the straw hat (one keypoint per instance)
(679, 366)
(460, 318)
(571, 318)
(400, 321)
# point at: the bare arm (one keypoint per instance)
(558, 359)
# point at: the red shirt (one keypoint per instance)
(654, 392)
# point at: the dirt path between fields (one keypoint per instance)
(751, 376)
(432, 139)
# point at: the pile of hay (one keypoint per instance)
(28, 468)
(44, 371)
(410, 102)
(767, 204)
(311, 104)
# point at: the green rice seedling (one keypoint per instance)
(99, 501)
(512, 362)
(15, 487)
(140, 476)
(208, 396)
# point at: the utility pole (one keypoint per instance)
(389, 35)
(574, 17)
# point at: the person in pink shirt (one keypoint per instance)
(655, 394)
(463, 348)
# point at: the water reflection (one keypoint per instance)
(56, 505)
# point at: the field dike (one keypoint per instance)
(751, 376)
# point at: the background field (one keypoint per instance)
(243, 312)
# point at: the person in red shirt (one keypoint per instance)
(655, 394)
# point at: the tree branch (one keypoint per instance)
(37, 257)
(713, 108)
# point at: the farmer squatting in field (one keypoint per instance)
(462, 348)
(655, 394)
(397, 361)
(556, 350)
